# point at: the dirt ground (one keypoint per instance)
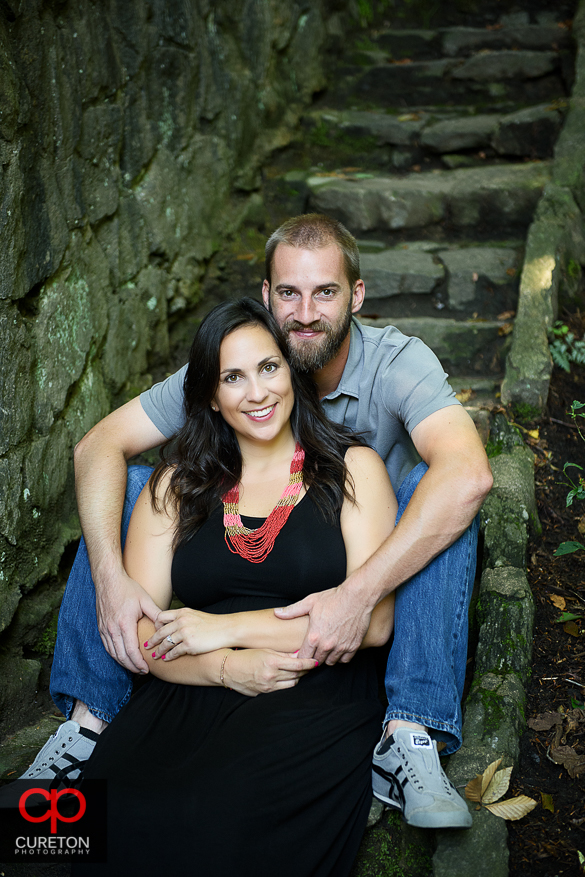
(546, 842)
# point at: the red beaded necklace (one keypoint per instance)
(256, 545)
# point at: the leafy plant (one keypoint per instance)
(577, 485)
(564, 347)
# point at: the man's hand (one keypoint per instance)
(119, 607)
(338, 622)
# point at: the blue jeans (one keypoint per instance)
(426, 666)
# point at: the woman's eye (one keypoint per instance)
(231, 379)
(270, 367)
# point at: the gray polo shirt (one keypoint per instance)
(390, 383)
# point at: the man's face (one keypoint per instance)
(311, 300)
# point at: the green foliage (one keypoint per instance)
(577, 485)
(45, 645)
(565, 349)
(573, 269)
(319, 135)
(525, 412)
(494, 449)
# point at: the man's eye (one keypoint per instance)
(287, 293)
(327, 293)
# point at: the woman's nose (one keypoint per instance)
(256, 389)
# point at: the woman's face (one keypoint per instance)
(254, 395)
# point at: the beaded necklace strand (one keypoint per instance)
(256, 545)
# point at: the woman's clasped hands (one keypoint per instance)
(249, 671)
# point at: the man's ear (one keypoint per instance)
(266, 294)
(359, 292)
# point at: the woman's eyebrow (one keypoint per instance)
(229, 371)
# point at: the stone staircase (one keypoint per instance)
(434, 147)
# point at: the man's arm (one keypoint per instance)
(100, 482)
(442, 507)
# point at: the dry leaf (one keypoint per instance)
(511, 272)
(513, 808)
(506, 315)
(566, 755)
(545, 722)
(505, 329)
(498, 786)
(572, 628)
(581, 525)
(547, 802)
(534, 433)
(464, 396)
(473, 789)
(488, 774)
(558, 601)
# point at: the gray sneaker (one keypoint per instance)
(407, 775)
(63, 756)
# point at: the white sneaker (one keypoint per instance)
(63, 756)
(407, 775)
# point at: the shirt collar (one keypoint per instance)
(350, 379)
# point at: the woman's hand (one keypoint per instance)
(260, 671)
(191, 632)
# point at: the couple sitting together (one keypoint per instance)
(293, 517)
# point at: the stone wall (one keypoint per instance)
(555, 254)
(131, 134)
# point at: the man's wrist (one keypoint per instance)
(362, 589)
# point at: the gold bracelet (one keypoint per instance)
(222, 672)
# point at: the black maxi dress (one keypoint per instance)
(207, 782)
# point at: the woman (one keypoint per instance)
(258, 502)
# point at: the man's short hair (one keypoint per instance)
(312, 231)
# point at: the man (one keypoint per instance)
(393, 390)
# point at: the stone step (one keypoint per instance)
(485, 79)
(463, 41)
(530, 132)
(422, 278)
(464, 347)
(501, 196)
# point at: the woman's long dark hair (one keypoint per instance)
(205, 456)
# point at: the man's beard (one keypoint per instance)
(310, 356)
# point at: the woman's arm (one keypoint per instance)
(364, 524)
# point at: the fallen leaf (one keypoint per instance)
(547, 802)
(545, 721)
(506, 315)
(571, 628)
(464, 396)
(505, 329)
(571, 760)
(581, 525)
(473, 789)
(488, 774)
(409, 117)
(567, 616)
(497, 787)
(558, 601)
(513, 808)
(511, 272)
(534, 433)
(245, 257)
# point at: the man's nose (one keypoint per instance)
(307, 311)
